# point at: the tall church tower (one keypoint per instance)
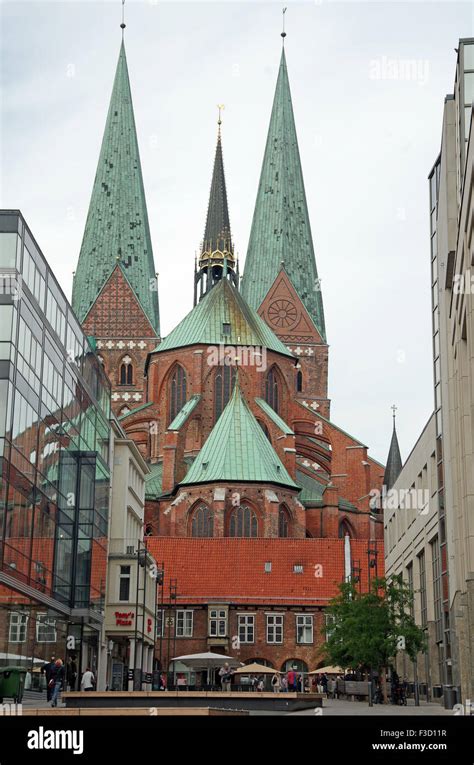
(216, 259)
(115, 288)
(280, 278)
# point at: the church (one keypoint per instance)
(257, 503)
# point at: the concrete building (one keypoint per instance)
(412, 549)
(447, 444)
(131, 581)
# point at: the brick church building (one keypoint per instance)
(257, 502)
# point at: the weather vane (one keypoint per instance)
(394, 409)
(123, 25)
(221, 108)
(283, 34)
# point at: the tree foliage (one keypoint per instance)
(368, 628)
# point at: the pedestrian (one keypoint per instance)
(299, 683)
(225, 674)
(284, 684)
(57, 678)
(47, 671)
(162, 681)
(253, 682)
(276, 683)
(261, 684)
(71, 673)
(324, 683)
(87, 680)
(291, 680)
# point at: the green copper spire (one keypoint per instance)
(237, 449)
(117, 230)
(281, 231)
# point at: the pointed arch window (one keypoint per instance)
(272, 393)
(344, 529)
(224, 382)
(243, 522)
(283, 522)
(203, 522)
(126, 371)
(299, 381)
(177, 391)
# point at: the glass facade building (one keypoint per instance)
(54, 464)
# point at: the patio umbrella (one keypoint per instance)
(207, 661)
(254, 669)
(327, 671)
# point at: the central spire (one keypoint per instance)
(216, 259)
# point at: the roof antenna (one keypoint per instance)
(283, 34)
(123, 24)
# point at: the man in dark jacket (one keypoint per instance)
(47, 671)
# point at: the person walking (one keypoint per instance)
(261, 684)
(87, 680)
(47, 671)
(71, 673)
(284, 684)
(225, 674)
(57, 677)
(291, 680)
(276, 683)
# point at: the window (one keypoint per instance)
(344, 529)
(10, 244)
(299, 381)
(329, 621)
(217, 622)
(45, 629)
(243, 522)
(18, 625)
(423, 604)
(126, 371)
(203, 522)
(160, 623)
(184, 624)
(124, 588)
(271, 390)
(282, 522)
(274, 628)
(438, 613)
(224, 381)
(177, 392)
(304, 628)
(410, 586)
(246, 628)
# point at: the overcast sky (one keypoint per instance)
(368, 81)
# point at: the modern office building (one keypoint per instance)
(446, 532)
(54, 465)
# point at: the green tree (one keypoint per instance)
(368, 628)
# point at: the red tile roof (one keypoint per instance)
(233, 570)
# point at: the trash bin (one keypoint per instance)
(12, 683)
(437, 691)
(449, 695)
